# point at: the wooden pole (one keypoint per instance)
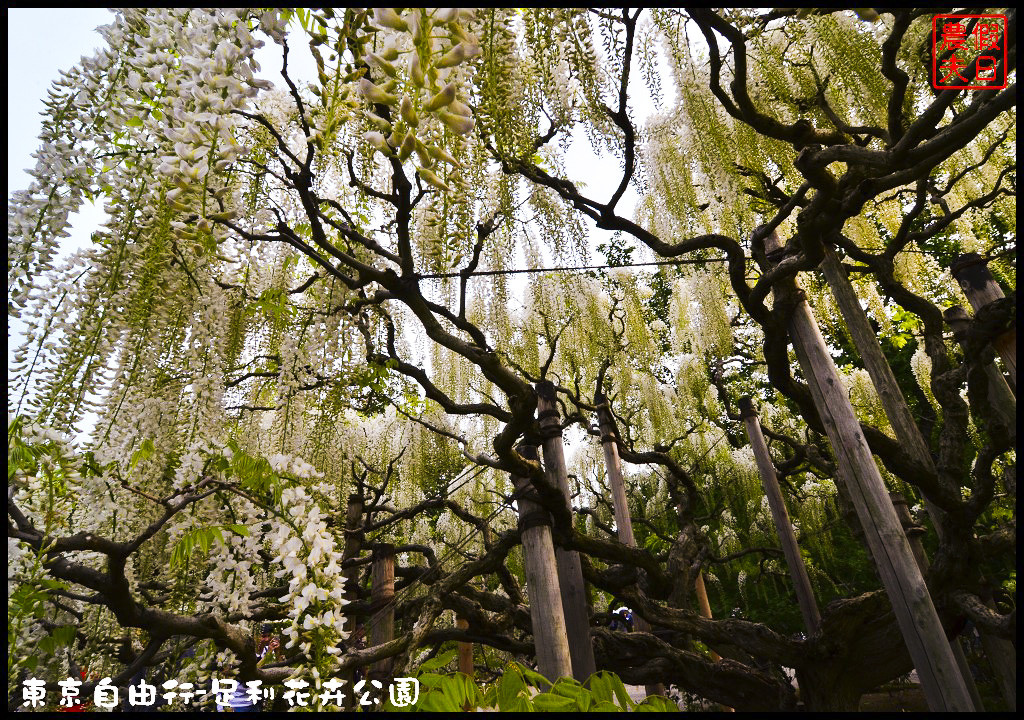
(889, 394)
(898, 412)
(382, 622)
(465, 649)
(620, 505)
(866, 342)
(971, 271)
(1000, 652)
(353, 544)
(549, 636)
(797, 569)
(913, 531)
(704, 606)
(570, 573)
(1000, 396)
(353, 541)
(919, 623)
(705, 611)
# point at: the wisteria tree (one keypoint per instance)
(301, 303)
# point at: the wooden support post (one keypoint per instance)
(465, 649)
(797, 569)
(613, 466)
(353, 544)
(1000, 396)
(913, 531)
(971, 271)
(704, 606)
(570, 573)
(541, 570)
(900, 417)
(353, 541)
(620, 505)
(382, 622)
(889, 394)
(705, 611)
(866, 342)
(915, 613)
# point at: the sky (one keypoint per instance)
(40, 43)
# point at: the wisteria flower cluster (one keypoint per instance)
(312, 565)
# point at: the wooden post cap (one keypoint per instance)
(746, 407)
(383, 550)
(958, 320)
(971, 269)
(546, 390)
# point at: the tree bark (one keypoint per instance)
(1000, 395)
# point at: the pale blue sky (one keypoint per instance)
(40, 43)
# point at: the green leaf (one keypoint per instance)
(549, 702)
(601, 688)
(205, 539)
(535, 678)
(625, 702)
(64, 634)
(439, 661)
(656, 703)
(509, 687)
(454, 690)
(430, 680)
(145, 451)
(489, 697)
(521, 703)
(567, 687)
(134, 122)
(435, 701)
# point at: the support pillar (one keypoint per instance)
(914, 532)
(381, 626)
(353, 544)
(541, 569)
(570, 572)
(465, 649)
(704, 605)
(897, 409)
(780, 515)
(915, 613)
(971, 271)
(623, 521)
